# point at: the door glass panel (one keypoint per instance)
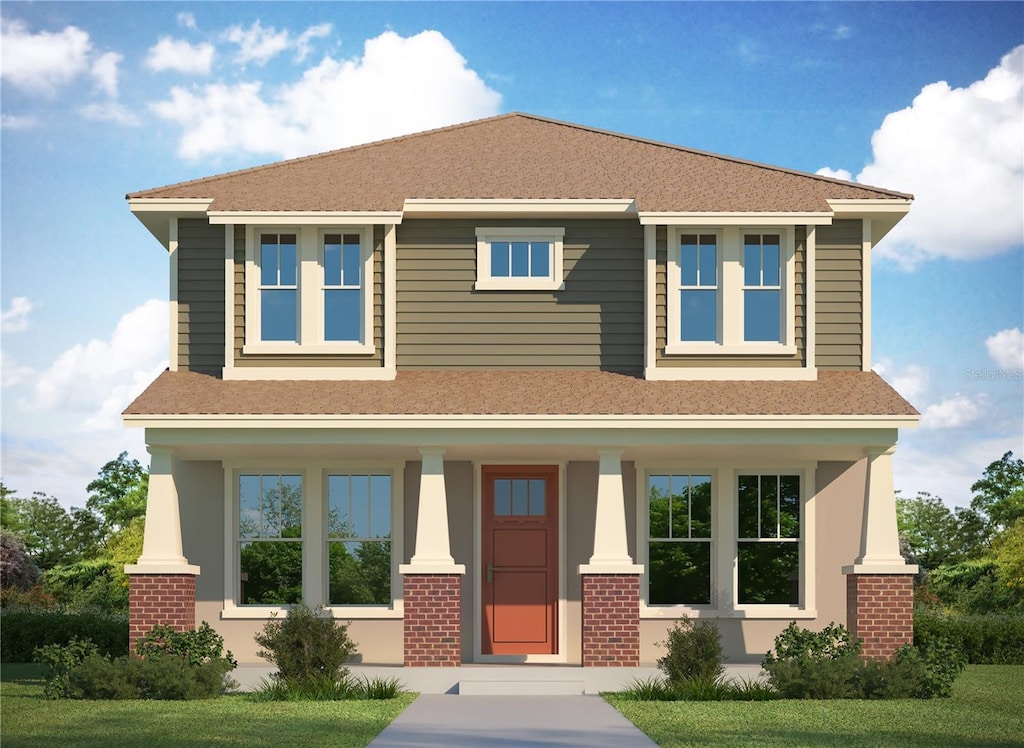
(502, 497)
(520, 497)
(537, 498)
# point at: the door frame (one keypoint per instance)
(561, 655)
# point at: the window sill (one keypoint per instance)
(266, 612)
(732, 349)
(294, 349)
(759, 612)
(518, 284)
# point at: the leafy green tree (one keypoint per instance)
(1008, 556)
(934, 535)
(53, 534)
(118, 494)
(999, 494)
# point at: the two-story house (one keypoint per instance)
(521, 391)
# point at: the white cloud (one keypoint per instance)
(911, 381)
(1006, 348)
(15, 318)
(842, 31)
(953, 412)
(179, 55)
(960, 151)
(41, 63)
(399, 85)
(104, 70)
(17, 122)
(187, 20)
(259, 45)
(11, 373)
(835, 174)
(110, 111)
(99, 378)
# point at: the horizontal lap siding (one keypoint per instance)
(374, 360)
(200, 295)
(839, 288)
(596, 322)
(661, 315)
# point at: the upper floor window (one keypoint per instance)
(309, 290)
(730, 292)
(519, 259)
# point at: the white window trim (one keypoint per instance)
(677, 610)
(310, 288)
(555, 281)
(724, 536)
(730, 293)
(314, 537)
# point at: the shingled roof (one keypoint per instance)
(519, 156)
(522, 392)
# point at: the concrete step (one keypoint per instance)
(515, 687)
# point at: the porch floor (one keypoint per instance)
(493, 680)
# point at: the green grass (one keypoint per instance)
(986, 709)
(28, 719)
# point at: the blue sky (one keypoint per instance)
(99, 99)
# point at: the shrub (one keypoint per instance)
(753, 689)
(308, 647)
(379, 688)
(196, 647)
(902, 677)
(832, 642)
(807, 677)
(22, 631)
(941, 662)
(34, 598)
(649, 689)
(993, 639)
(168, 676)
(98, 584)
(694, 651)
(59, 661)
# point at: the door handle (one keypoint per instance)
(491, 568)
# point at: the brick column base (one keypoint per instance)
(611, 620)
(433, 620)
(159, 600)
(880, 610)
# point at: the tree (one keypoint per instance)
(999, 495)
(934, 535)
(118, 495)
(17, 569)
(52, 534)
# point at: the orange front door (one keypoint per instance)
(520, 559)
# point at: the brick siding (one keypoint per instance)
(158, 600)
(880, 610)
(433, 620)
(611, 620)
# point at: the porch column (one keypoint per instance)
(162, 583)
(611, 581)
(432, 581)
(880, 583)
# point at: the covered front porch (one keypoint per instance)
(576, 506)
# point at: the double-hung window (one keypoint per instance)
(769, 513)
(679, 539)
(309, 290)
(269, 541)
(519, 259)
(359, 539)
(730, 291)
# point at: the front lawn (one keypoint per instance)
(986, 709)
(28, 719)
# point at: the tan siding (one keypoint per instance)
(200, 295)
(373, 360)
(839, 289)
(595, 323)
(661, 313)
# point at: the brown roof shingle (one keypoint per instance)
(523, 392)
(518, 156)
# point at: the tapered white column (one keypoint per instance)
(880, 540)
(433, 547)
(611, 553)
(161, 543)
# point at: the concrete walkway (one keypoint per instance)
(436, 721)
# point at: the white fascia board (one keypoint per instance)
(734, 219)
(518, 422)
(170, 204)
(883, 214)
(305, 217)
(429, 207)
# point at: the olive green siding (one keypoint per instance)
(661, 315)
(375, 359)
(200, 295)
(596, 322)
(838, 261)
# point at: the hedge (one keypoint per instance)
(22, 630)
(990, 639)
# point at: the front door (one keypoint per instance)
(520, 559)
